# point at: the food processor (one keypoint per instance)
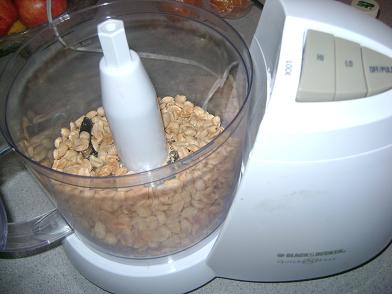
(295, 187)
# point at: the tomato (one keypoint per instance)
(8, 15)
(33, 12)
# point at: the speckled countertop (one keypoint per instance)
(51, 272)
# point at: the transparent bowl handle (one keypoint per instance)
(32, 236)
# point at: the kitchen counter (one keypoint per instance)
(51, 272)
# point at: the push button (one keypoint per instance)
(378, 71)
(350, 78)
(318, 71)
(336, 69)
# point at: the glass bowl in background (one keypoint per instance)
(11, 43)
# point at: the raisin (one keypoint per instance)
(87, 125)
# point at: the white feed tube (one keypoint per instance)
(130, 101)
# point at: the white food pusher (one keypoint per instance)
(130, 101)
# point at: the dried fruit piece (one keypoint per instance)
(86, 125)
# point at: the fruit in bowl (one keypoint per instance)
(230, 8)
(8, 15)
(20, 19)
(18, 15)
(33, 12)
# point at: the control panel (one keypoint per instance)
(336, 69)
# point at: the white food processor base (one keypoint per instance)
(177, 273)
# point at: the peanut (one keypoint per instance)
(147, 220)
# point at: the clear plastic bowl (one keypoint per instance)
(149, 214)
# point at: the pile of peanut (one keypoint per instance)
(87, 153)
(151, 219)
(187, 128)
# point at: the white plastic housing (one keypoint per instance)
(316, 196)
(130, 102)
(185, 271)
